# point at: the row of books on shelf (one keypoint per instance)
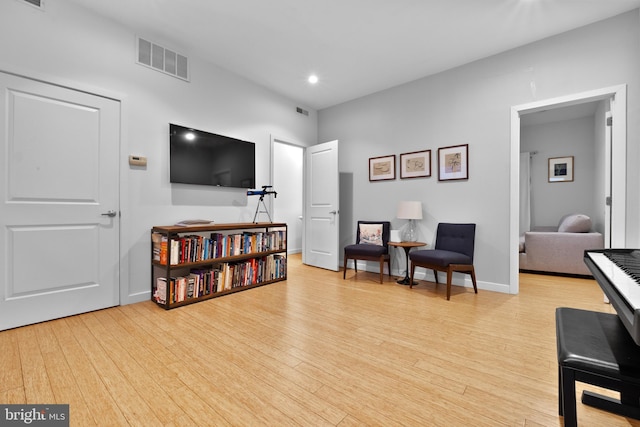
(193, 248)
(225, 276)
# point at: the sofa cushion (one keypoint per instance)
(559, 252)
(575, 223)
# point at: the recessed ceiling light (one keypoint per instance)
(313, 79)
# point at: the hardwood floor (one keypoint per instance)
(314, 350)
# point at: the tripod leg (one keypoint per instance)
(258, 210)
(256, 214)
(266, 211)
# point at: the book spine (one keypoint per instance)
(160, 293)
(175, 252)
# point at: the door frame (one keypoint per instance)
(618, 95)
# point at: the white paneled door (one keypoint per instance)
(322, 210)
(59, 206)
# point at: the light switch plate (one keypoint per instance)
(137, 161)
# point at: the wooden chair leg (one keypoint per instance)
(344, 270)
(473, 279)
(381, 268)
(449, 275)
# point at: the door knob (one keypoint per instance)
(109, 214)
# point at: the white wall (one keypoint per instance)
(65, 45)
(551, 200)
(471, 105)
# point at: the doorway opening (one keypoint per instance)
(287, 160)
(613, 177)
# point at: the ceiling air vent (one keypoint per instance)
(37, 3)
(302, 111)
(162, 59)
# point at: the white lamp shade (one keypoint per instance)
(409, 210)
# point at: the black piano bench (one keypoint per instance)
(595, 348)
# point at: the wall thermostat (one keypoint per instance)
(137, 161)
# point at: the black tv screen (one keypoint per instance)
(203, 158)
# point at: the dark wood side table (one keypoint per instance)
(407, 247)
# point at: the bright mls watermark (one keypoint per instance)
(34, 415)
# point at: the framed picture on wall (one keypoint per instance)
(453, 162)
(415, 165)
(561, 169)
(382, 168)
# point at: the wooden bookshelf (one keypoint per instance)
(199, 262)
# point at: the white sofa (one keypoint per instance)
(560, 249)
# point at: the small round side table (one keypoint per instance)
(407, 247)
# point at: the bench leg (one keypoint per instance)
(567, 396)
(630, 409)
(630, 397)
(560, 396)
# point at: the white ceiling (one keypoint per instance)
(356, 47)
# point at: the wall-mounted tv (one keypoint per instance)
(203, 158)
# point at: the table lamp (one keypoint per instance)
(410, 210)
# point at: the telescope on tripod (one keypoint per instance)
(264, 192)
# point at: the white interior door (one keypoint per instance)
(59, 211)
(322, 210)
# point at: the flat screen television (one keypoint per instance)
(203, 158)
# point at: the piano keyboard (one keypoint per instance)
(622, 269)
(629, 262)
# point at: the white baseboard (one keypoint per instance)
(459, 279)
